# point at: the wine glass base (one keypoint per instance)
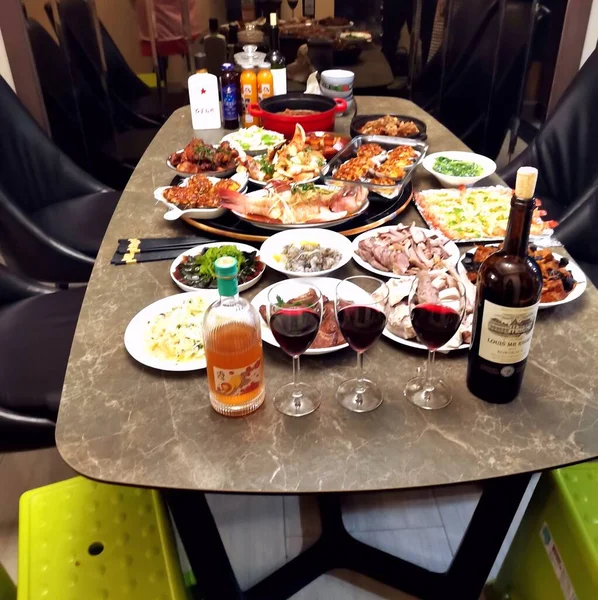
(425, 398)
(288, 403)
(369, 397)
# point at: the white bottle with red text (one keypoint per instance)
(204, 101)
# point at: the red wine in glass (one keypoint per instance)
(293, 5)
(435, 324)
(295, 330)
(361, 326)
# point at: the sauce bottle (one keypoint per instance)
(248, 96)
(230, 92)
(265, 83)
(233, 344)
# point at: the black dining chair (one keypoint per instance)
(37, 325)
(566, 156)
(53, 215)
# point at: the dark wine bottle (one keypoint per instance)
(508, 294)
(276, 59)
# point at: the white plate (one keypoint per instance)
(273, 246)
(577, 273)
(135, 334)
(198, 250)
(326, 285)
(451, 248)
(282, 227)
(415, 344)
(487, 164)
(199, 213)
(218, 174)
(230, 137)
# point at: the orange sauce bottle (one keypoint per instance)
(248, 96)
(265, 82)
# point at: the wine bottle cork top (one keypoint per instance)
(525, 186)
(272, 19)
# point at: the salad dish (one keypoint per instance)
(562, 280)
(167, 334)
(199, 157)
(474, 214)
(194, 269)
(282, 205)
(306, 252)
(254, 140)
(400, 250)
(454, 169)
(197, 197)
(382, 164)
(294, 162)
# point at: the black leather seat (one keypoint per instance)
(52, 214)
(566, 155)
(37, 325)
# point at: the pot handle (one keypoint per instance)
(341, 105)
(254, 110)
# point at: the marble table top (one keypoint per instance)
(121, 422)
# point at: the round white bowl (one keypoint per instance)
(487, 164)
(337, 78)
(334, 94)
(271, 249)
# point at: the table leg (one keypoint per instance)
(203, 545)
(336, 549)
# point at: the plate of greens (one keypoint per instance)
(455, 168)
(194, 269)
(254, 140)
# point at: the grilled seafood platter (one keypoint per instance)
(441, 283)
(297, 205)
(293, 162)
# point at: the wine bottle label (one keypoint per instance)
(506, 333)
(235, 382)
(229, 102)
(279, 79)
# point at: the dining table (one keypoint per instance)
(121, 422)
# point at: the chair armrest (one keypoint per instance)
(15, 287)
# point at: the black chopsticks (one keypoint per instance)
(138, 250)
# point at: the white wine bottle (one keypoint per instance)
(508, 294)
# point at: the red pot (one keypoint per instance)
(269, 111)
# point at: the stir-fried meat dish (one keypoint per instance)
(390, 126)
(200, 192)
(198, 157)
(557, 280)
(297, 112)
(329, 334)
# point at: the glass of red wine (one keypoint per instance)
(293, 5)
(295, 311)
(360, 306)
(435, 318)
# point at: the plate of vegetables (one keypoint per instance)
(254, 140)
(455, 168)
(194, 269)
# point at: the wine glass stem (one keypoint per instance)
(296, 392)
(429, 380)
(360, 385)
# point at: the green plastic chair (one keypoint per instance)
(79, 539)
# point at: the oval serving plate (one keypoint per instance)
(359, 121)
(326, 285)
(450, 246)
(199, 213)
(578, 275)
(274, 225)
(198, 249)
(136, 332)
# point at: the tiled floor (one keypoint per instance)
(261, 533)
